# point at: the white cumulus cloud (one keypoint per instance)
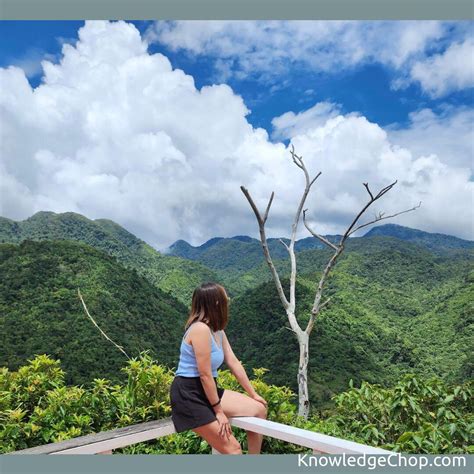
(290, 124)
(449, 134)
(451, 70)
(416, 51)
(114, 131)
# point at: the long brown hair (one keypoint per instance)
(210, 304)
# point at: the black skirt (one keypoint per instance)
(190, 407)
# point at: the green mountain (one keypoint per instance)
(309, 261)
(239, 253)
(433, 241)
(396, 308)
(401, 303)
(236, 259)
(169, 273)
(40, 311)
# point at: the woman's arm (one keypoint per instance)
(236, 367)
(202, 350)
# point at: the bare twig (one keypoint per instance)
(120, 348)
(382, 216)
(372, 200)
(325, 303)
(286, 246)
(320, 237)
(267, 210)
(368, 190)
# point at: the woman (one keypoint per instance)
(197, 403)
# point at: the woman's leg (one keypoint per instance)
(238, 404)
(224, 445)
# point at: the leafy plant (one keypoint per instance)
(413, 416)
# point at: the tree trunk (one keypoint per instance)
(303, 398)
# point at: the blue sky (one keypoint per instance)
(410, 80)
(365, 89)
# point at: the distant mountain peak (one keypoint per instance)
(42, 214)
(243, 238)
(209, 243)
(389, 228)
(430, 239)
(179, 244)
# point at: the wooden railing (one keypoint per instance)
(105, 442)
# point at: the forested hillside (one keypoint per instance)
(169, 273)
(239, 262)
(40, 311)
(396, 308)
(401, 301)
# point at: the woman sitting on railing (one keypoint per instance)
(197, 402)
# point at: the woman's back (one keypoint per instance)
(187, 366)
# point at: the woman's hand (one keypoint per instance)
(224, 424)
(258, 398)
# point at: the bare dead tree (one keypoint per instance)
(290, 304)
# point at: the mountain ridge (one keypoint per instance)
(241, 254)
(41, 312)
(392, 230)
(170, 273)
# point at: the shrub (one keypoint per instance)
(36, 407)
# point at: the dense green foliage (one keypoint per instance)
(169, 273)
(402, 303)
(395, 308)
(36, 407)
(414, 416)
(41, 312)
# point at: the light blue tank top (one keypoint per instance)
(187, 366)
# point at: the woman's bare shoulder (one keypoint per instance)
(200, 328)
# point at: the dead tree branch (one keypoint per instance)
(263, 238)
(298, 160)
(317, 307)
(320, 237)
(381, 217)
(120, 348)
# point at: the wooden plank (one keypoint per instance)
(121, 441)
(107, 440)
(316, 441)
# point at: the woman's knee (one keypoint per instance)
(261, 411)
